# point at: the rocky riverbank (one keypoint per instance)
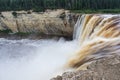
(49, 23)
(105, 68)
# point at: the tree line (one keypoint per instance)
(41, 5)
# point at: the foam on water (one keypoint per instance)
(33, 59)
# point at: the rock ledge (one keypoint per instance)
(106, 68)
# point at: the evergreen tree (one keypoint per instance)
(54, 4)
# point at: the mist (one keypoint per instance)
(34, 59)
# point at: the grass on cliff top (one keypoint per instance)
(107, 11)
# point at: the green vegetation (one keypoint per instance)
(6, 31)
(22, 33)
(14, 14)
(97, 11)
(40, 5)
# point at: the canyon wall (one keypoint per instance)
(55, 22)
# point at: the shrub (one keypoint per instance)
(14, 14)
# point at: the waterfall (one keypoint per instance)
(77, 27)
(87, 26)
(98, 36)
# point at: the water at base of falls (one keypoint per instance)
(33, 59)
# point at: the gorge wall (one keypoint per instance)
(52, 23)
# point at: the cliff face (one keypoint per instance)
(57, 22)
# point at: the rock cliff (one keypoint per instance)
(54, 23)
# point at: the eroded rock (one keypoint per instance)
(56, 22)
(106, 68)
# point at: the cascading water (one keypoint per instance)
(98, 36)
(88, 25)
(77, 27)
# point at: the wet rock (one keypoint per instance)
(106, 68)
(57, 78)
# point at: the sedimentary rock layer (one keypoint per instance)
(57, 22)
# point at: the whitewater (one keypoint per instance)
(34, 59)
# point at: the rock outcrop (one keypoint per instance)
(106, 68)
(56, 22)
